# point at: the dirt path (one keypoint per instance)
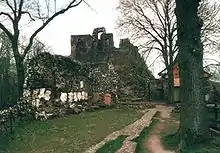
(133, 130)
(153, 143)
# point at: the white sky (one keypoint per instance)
(80, 20)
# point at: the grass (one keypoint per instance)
(140, 148)
(171, 140)
(112, 146)
(212, 146)
(72, 134)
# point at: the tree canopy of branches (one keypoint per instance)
(14, 13)
(152, 23)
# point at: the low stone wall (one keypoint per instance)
(38, 96)
(44, 103)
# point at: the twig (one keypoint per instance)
(90, 6)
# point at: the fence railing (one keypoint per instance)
(8, 120)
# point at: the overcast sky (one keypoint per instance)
(80, 20)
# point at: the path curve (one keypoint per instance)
(133, 130)
(154, 144)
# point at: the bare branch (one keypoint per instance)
(154, 60)
(20, 9)
(6, 14)
(9, 34)
(211, 65)
(28, 13)
(149, 21)
(71, 5)
(89, 6)
(11, 7)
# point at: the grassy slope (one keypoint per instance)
(70, 134)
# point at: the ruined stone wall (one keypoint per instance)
(55, 82)
(132, 70)
(91, 48)
(81, 46)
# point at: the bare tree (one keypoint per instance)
(14, 12)
(152, 23)
(209, 12)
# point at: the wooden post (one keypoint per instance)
(216, 112)
(149, 91)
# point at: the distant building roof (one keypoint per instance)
(164, 71)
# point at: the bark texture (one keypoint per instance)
(193, 128)
(170, 84)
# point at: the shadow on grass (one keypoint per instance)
(4, 142)
(113, 146)
(140, 148)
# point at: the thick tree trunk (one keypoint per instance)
(20, 69)
(193, 126)
(20, 77)
(4, 82)
(170, 84)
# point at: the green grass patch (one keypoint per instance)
(169, 136)
(112, 146)
(171, 139)
(212, 146)
(72, 134)
(171, 142)
(140, 148)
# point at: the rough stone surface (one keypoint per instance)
(95, 66)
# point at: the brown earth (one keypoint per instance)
(153, 143)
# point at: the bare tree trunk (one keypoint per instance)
(21, 77)
(193, 127)
(170, 84)
(20, 69)
(4, 81)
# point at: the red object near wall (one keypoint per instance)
(107, 99)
